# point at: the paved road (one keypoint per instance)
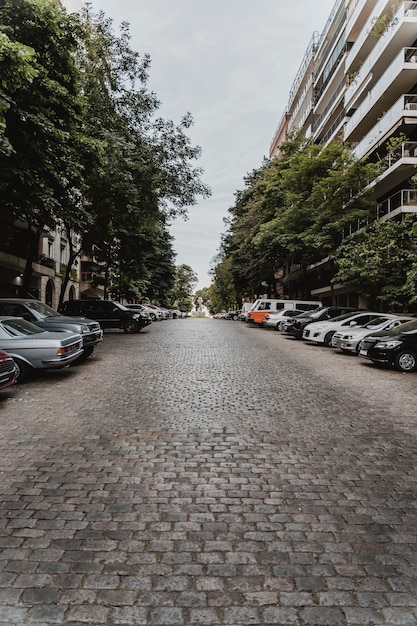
(205, 472)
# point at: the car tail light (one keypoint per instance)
(69, 349)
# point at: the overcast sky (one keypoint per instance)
(231, 64)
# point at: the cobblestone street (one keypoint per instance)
(204, 472)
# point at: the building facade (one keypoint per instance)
(357, 84)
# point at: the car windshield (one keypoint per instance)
(407, 327)
(312, 314)
(376, 322)
(42, 309)
(340, 318)
(18, 327)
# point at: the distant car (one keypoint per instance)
(154, 311)
(396, 347)
(46, 318)
(295, 327)
(322, 332)
(232, 315)
(108, 313)
(274, 320)
(348, 340)
(8, 370)
(35, 349)
(143, 307)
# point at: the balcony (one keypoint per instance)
(399, 78)
(366, 40)
(402, 112)
(404, 201)
(359, 13)
(400, 165)
(401, 32)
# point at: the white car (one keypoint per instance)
(274, 320)
(348, 340)
(322, 332)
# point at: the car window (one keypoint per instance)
(41, 308)
(340, 318)
(409, 327)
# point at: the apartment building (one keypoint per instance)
(357, 84)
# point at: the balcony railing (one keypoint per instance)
(46, 261)
(407, 149)
(405, 106)
(397, 203)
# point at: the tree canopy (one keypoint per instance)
(293, 212)
(80, 145)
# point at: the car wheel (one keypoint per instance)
(328, 338)
(23, 371)
(405, 361)
(130, 327)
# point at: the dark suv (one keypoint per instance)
(295, 327)
(43, 316)
(396, 347)
(108, 313)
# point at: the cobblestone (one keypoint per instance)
(205, 472)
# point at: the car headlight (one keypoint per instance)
(388, 345)
(85, 329)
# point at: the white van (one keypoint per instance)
(263, 306)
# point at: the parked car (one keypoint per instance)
(274, 320)
(144, 307)
(322, 332)
(295, 327)
(46, 318)
(246, 307)
(33, 348)
(155, 312)
(232, 315)
(108, 313)
(348, 340)
(396, 347)
(8, 371)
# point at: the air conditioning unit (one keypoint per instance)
(411, 106)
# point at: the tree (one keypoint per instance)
(293, 213)
(185, 282)
(41, 171)
(380, 263)
(141, 175)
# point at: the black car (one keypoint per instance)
(396, 347)
(108, 313)
(296, 326)
(43, 316)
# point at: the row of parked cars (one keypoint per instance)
(383, 338)
(33, 336)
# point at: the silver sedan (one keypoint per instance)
(33, 348)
